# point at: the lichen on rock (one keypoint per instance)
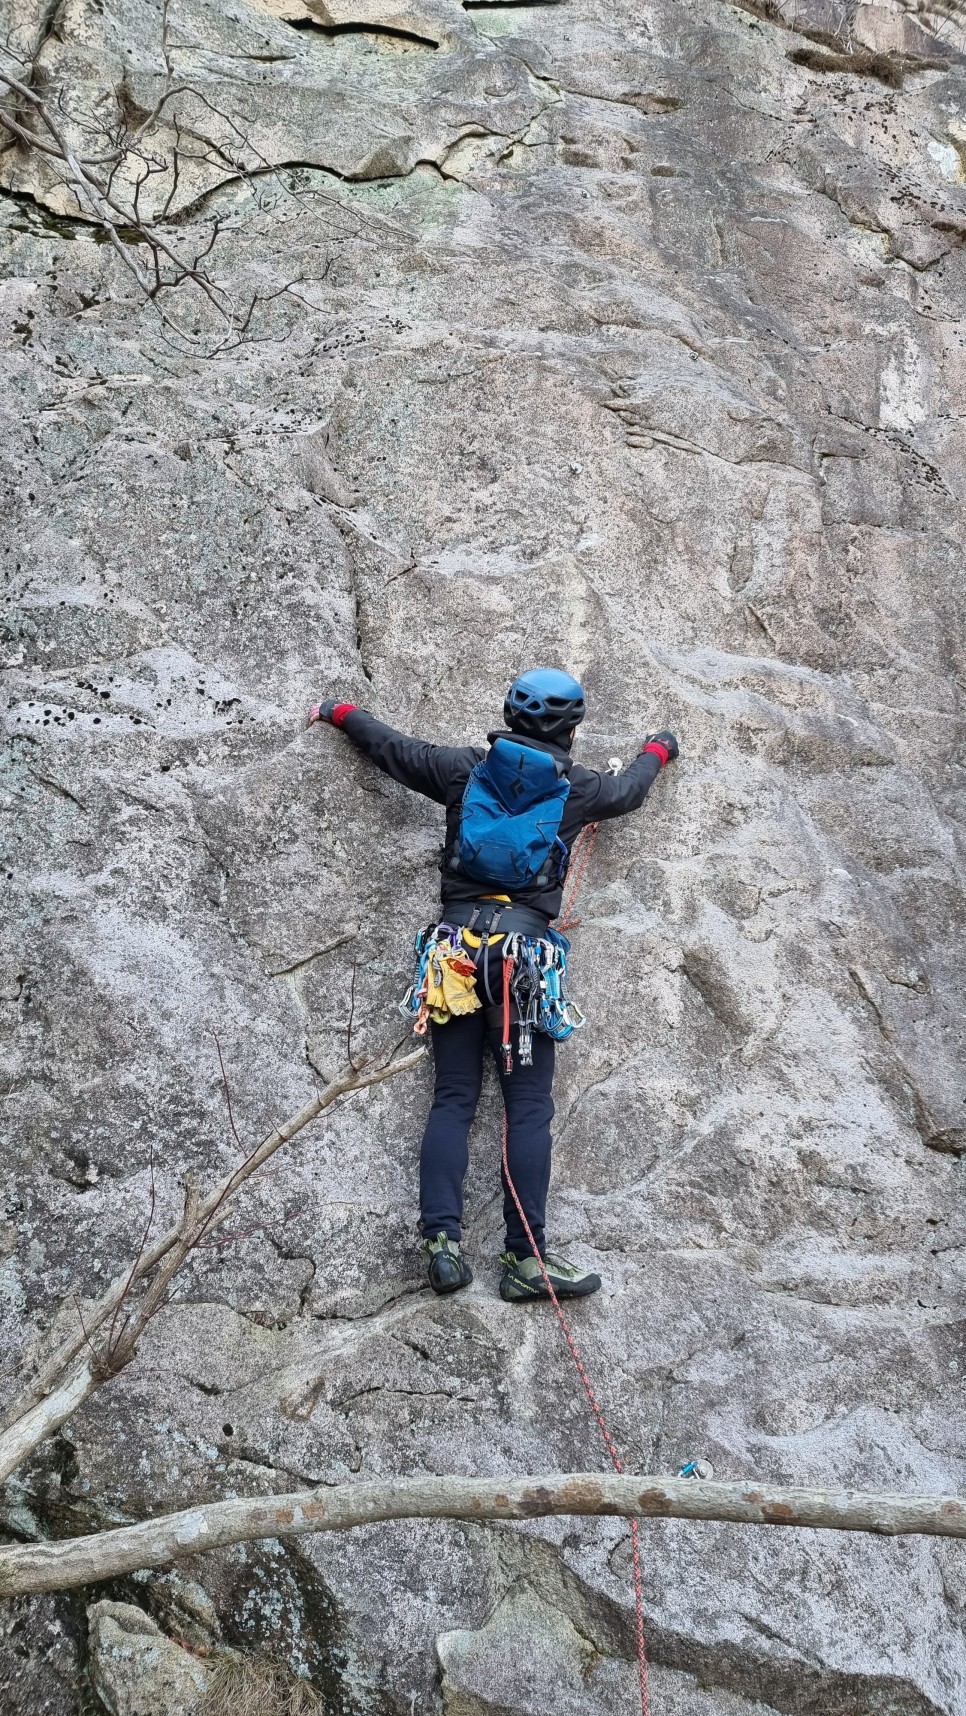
(136, 1670)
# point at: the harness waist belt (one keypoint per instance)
(479, 915)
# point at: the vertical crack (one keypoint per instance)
(361, 642)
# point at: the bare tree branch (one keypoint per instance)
(76, 1561)
(98, 200)
(119, 1352)
(119, 213)
(64, 1384)
(111, 168)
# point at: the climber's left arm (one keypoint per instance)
(415, 763)
(616, 795)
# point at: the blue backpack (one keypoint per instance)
(511, 812)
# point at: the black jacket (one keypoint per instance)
(441, 772)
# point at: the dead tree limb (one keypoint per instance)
(98, 199)
(119, 1352)
(107, 169)
(80, 1364)
(158, 1542)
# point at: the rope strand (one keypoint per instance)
(583, 849)
(580, 858)
(597, 1410)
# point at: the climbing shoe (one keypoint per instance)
(447, 1271)
(522, 1279)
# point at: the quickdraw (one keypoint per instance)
(538, 986)
(413, 1004)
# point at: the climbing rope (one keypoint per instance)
(597, 1410)
(583, 849)
(580, 858)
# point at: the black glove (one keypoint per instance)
(322, 711)
(666, 740)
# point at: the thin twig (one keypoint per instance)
(140, 1250)
(227, 1089)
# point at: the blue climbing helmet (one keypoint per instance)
(544, 704)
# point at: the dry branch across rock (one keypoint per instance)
(78, 1368)
(159, 1542)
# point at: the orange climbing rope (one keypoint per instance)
(582, 852)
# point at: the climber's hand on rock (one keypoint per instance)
(321, 711)
(663, 745)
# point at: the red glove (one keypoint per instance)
(663, 745)
(330, 710)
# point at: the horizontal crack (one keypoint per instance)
(410, 1393)
(312, 25)
(305, 959)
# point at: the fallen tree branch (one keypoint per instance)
(63, 1385)
(158, 1542)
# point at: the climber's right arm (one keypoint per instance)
(425, 768)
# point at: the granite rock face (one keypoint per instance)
(626, 337)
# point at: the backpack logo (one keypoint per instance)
(510, 816)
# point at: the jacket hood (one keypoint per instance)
(559, 748)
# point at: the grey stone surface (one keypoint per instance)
(135, 1670)
(38, 1658)
(627, 338)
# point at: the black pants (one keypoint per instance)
(458, 1049)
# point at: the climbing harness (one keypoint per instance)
(582, 850)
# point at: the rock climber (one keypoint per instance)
(513, 812)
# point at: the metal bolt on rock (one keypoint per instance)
(702, 1469)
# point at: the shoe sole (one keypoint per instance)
(516, 1292)
(455, 1287)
